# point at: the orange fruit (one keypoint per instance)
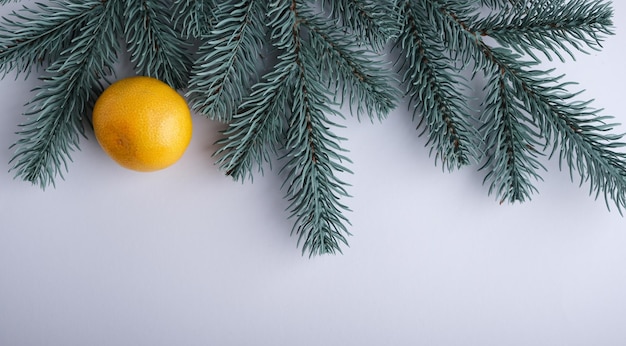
(142, 123)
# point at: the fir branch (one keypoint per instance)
(30, 37)
(313, 159)
(450, 20)
(226, 66)
(435, 89)
(314, 189)
(255, 133)
(351, 71)
(373, 21)
(58, 108)
(583, 141)
(511, 139)
(584, 137)
(155, 49)
(257, 129)
(193, 18)
(291, 108)
(549, 28)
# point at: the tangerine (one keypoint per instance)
(142, 123)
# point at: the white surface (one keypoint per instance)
(186, 256)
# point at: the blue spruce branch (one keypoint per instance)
(58, 109)
(436, 91)
(44, 32)
(154, 46)
(227, 60)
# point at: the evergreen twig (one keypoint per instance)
(193, 18)
(550, 28)
(31, 37)
(435, 89)
(71, 85)
(156, 49)
(373, 21)
(227, 60)
(525, 108)
(288, 112)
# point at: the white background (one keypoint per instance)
(186, 256)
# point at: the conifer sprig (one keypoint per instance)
(71, 85)
(527, 29)
(511, 139)
(373, 21)
(227, 60)
(526, 107)
(289, 112)
(255, 133)
(584, 138)
(156, 50)
(193, 18)
(31, 37)
(348, 69)
(435, 89)
(313, 152)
